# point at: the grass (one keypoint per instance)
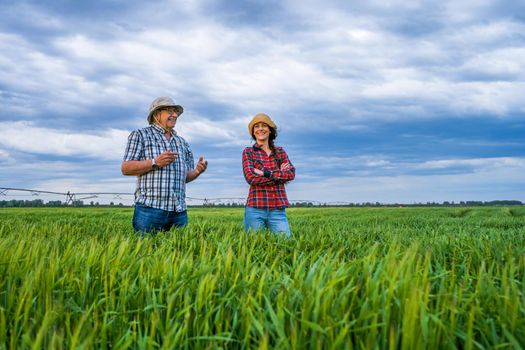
(405, 278)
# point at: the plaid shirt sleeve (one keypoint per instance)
(286, 175)
(134, 147)
(189, 156)
(248, 165)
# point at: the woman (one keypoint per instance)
(266, 169)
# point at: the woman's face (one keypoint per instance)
(261, 132)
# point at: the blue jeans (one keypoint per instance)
(149, 220)
(260, 219)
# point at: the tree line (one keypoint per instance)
(78, 203)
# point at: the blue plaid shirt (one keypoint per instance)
(164, 188)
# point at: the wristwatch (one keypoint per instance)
(154, 165)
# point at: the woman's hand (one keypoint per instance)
(285, 166)
(258, 172)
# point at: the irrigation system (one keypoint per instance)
(71, 197)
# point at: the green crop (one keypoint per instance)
(385, 278)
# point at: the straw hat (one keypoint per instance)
(260, 118)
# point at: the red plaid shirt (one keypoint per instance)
(266, 192)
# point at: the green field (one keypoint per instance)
(407, 278)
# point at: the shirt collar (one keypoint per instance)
(162, 131)
(259, 148)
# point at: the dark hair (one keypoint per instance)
(271, 138)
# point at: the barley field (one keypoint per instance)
(350, 278)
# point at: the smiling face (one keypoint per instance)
(261, 132)
(166, 118)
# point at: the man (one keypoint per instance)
(163, 164)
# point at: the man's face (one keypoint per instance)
(167, 117)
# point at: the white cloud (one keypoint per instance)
(30, 16)
(341, 162)
(466, 10)
(109, 144)
(3, 154)
(486, 184)
(477, 163)
(507, 62)
(221, 132)
(345, 61)
(25, 137)
(377, 165)
(110, 185)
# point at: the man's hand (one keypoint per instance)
(166, 158)
(258, 172)
(202, 165)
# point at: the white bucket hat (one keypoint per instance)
(163, 102)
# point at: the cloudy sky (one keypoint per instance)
(376, 101)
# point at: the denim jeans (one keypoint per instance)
(259, 219)
(149, 220)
